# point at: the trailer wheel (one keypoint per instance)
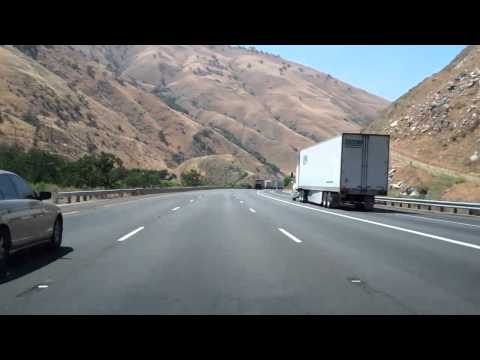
(305, 196)
(328, 200)
(368, 207)
(323, 199)
(332, 200)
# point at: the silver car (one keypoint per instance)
(25, 220)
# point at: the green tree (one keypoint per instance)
(192, 178)
(90, 171)
(105, 165)
(287, 180)
(84, 172)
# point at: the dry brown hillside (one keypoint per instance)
(436, 126)
(158, 106)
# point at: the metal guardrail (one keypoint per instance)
(79, 196)
(463, 208)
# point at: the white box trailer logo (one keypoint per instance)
(305, 159)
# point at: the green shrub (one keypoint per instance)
(440, 184)
(192, 178)
(287, 180)
(47, 171)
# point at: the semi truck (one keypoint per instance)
(259, 184)
(268, 184)
(349, 169)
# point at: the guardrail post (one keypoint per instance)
(69, 199)
(78, 198)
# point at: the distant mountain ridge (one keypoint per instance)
(158, 106)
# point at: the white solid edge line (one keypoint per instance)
(252, 210)
(123, 238)
(441, 238)
(71, 213)
(286, 233)
(176, 208)
(429, 218)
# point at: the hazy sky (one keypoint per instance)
(387, 71)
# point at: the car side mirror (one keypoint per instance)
(44, 195)
(34, 196)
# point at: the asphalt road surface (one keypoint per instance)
(247, 252)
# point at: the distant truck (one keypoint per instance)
(349, 169)
(268, 184)
(259, 184)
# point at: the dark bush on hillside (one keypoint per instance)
(30, 117)
(91, 71)
(170, 99)
(162, 137)
(30, 50)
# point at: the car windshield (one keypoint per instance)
(240, 179)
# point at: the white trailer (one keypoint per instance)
(347, 169)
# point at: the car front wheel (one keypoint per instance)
(57, 235)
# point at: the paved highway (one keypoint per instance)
(247, 252)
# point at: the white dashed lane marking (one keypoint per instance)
(286, 233)
(123, 238)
